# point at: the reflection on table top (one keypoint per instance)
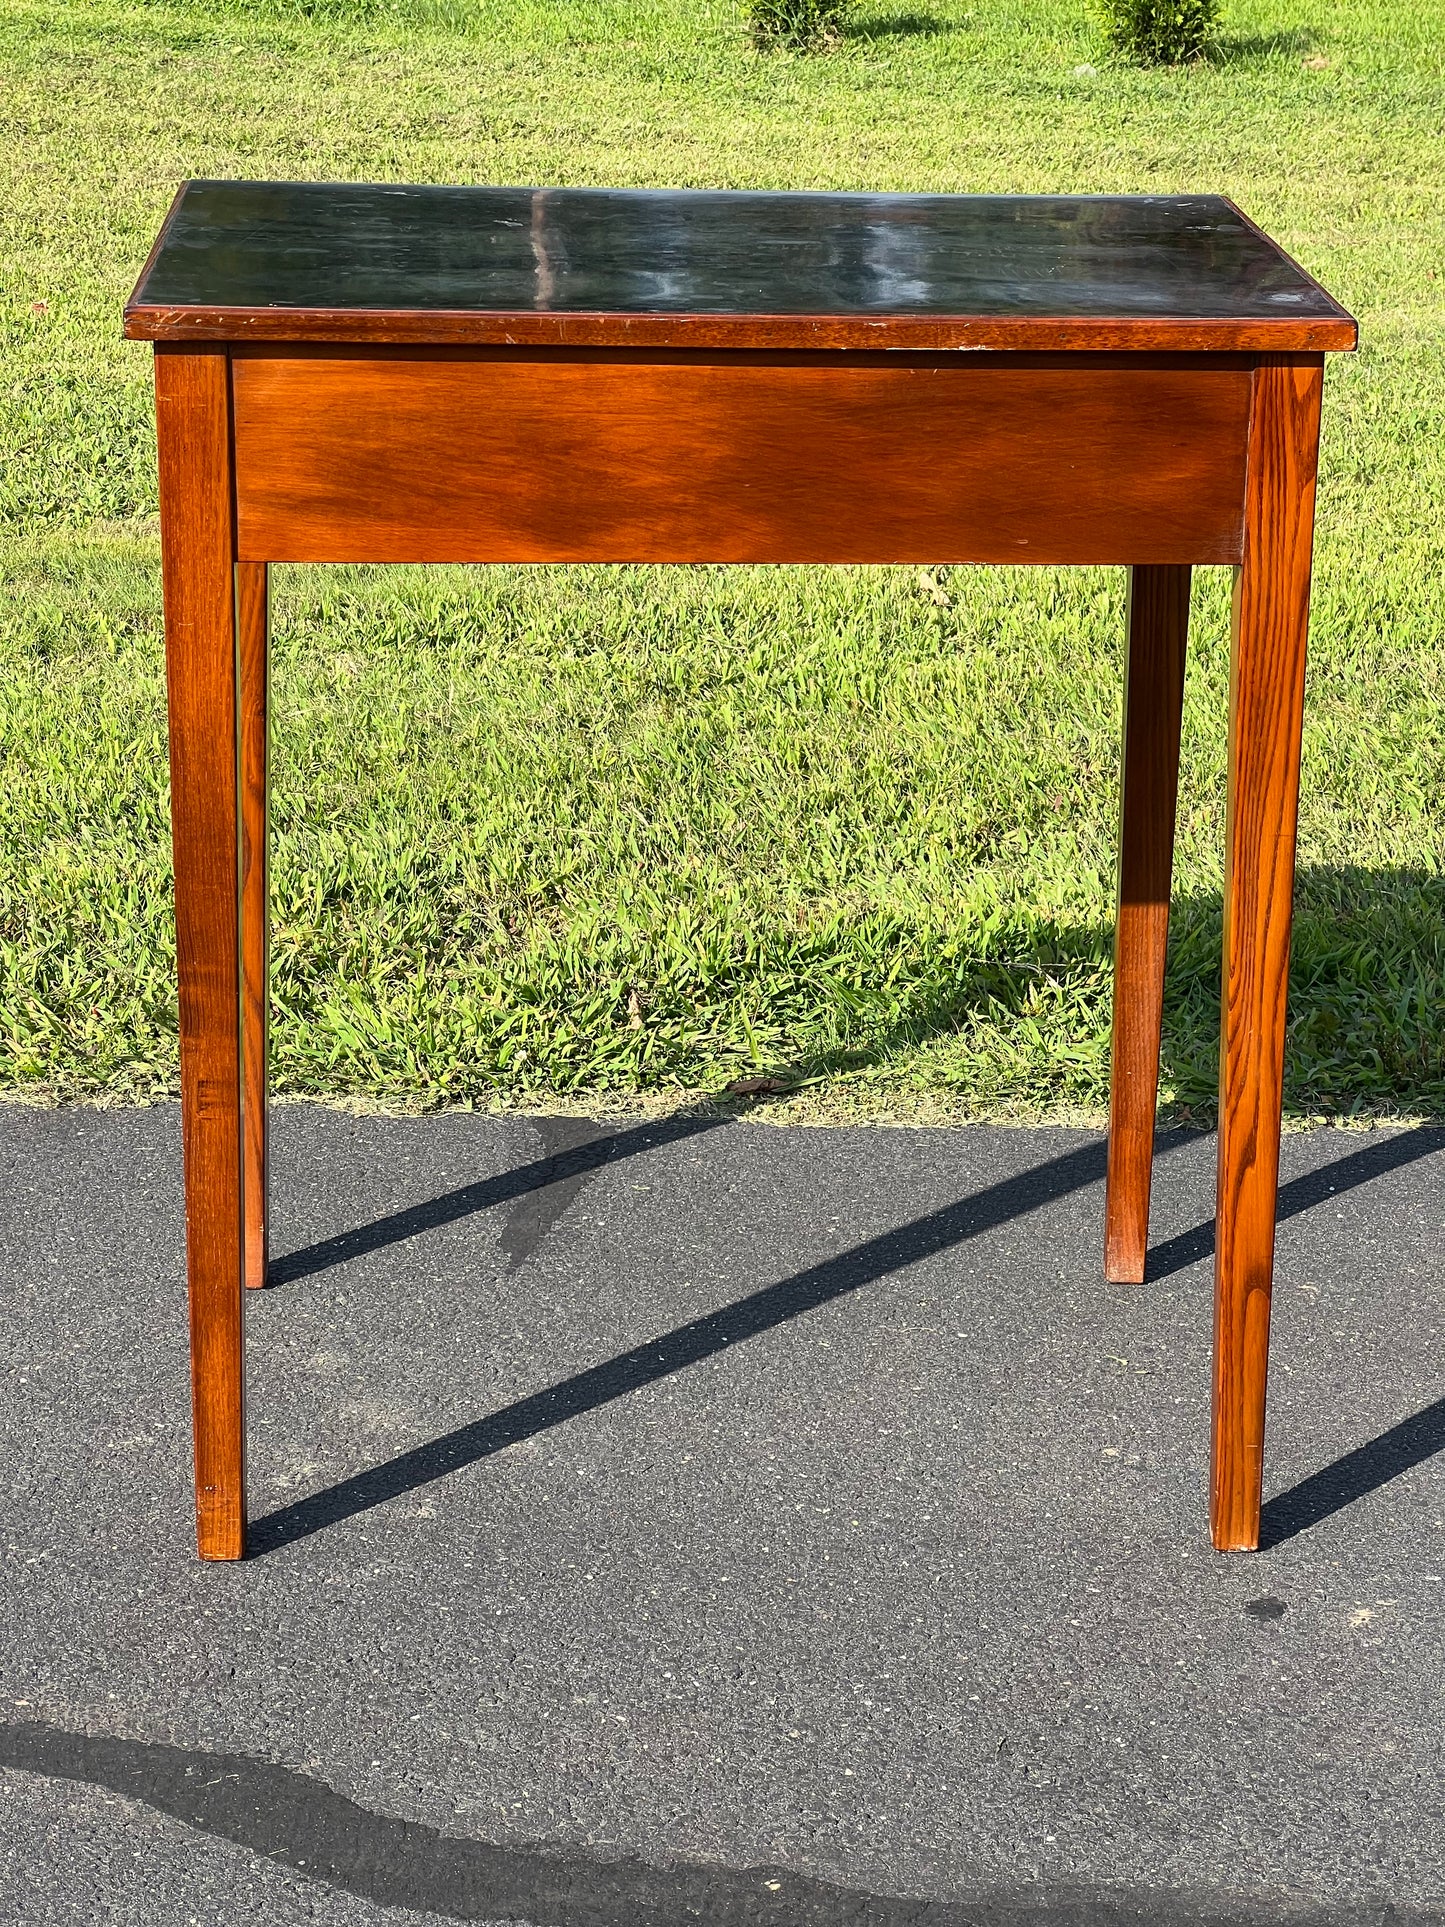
(312, 247)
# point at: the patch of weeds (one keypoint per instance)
(1159, 33)
(804, 26)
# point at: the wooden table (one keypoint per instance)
(423, 374)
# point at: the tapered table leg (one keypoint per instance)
(251, 620)
(198, 565)
(1153, 702)
(1266, 701)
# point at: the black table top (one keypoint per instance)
(280, 251)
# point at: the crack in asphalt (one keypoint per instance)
(301, 1823)
(568, 1160)
(568, 1148)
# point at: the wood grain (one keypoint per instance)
(251, 618)
(1153, 701)
(1266, 703)
(1010, 334)
(428, 457)
(198, 558)
(431, 454)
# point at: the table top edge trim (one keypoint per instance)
(1338, 332)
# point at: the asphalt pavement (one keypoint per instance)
(702, 1521)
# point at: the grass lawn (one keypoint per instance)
(543, 834)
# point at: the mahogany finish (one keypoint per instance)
(1266, 710)
(1158, 623)
(698, 378)
(198, 567)
(252, 661)
(1048, 334)
(546, 458)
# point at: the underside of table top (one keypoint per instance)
(604, 268)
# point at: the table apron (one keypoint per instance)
(435, 457)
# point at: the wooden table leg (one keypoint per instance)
(198, 565)
(1266, 704)
(251, 621)
(1153, 703)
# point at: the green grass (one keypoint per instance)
(579, 831)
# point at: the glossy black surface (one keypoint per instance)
(310, 245)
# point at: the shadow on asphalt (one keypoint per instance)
(569, 1158)
(1304, 1505)
(689, 1344)
(1368, 1467)
(1386, 1153)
